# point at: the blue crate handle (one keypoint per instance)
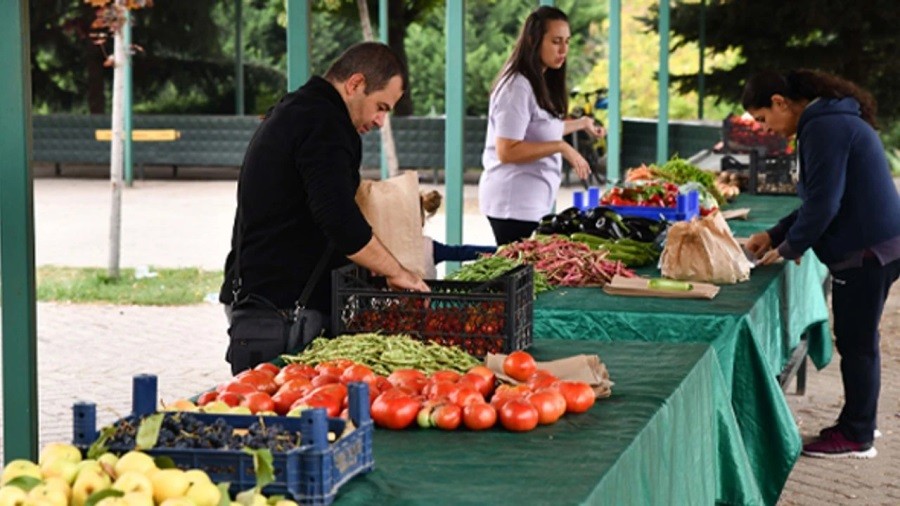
(143, 394)
(84, 423)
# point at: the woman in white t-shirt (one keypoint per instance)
(523, 150)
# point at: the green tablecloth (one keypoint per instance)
(752, 326)
(666, 436)
(765, 211)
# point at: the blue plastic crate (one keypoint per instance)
(310, 474)
(687, 207)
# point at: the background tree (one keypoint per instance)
(857, 40)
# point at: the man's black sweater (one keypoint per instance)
(295, 194)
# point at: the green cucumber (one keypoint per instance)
(670, 284)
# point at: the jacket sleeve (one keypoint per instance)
(443, 252)
(825, 151)
(326, 162)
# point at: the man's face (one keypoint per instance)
(368, 111)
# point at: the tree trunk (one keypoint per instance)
(387, 134)
(396, 37)
(117, 149)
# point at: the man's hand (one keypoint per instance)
(407, 280)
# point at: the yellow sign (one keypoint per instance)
(142, 135)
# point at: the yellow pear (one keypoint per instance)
(285, 502)
(42, 495)
(134, 461)
(137, 499)
(169, 484)
(19, 467)
(197, 476)
(177, 501)
(134, 481)
(251, 498)
(59, 467)
(87, 482)
(59, 484)
(53, 451)
(12, 496)
(204, 494)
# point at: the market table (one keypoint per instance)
(753, 327)
(658, 440)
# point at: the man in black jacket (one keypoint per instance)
(298, 182)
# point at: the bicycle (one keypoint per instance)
(588, 103)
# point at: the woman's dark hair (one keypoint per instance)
(377, 62)
(549, 86)
(806, 84)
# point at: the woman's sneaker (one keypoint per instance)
(827, 430)
(833, 445)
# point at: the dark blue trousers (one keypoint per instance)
(857, 301)
(507, 231)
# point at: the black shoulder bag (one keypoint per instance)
(260, 331)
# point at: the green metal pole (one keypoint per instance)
(238, 58)
(701, 76)
(383, 37)
(298, 31)
(662, 125)
(548, 2)
(614, 127)
(20, 402)
(454, 141)
(129, 102)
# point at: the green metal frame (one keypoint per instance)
(662, 123)
(129, 103)
(298, 33)
(17, 287)
(238, 58)
(383, 37)
(454, 140)
(614, 111)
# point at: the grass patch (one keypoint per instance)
(170, 287)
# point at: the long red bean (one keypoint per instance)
(565, 262)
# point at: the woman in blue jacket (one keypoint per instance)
(849, 215)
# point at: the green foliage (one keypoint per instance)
(171, 287)
(856, 41)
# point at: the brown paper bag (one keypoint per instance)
(587, 368)
(704, 250)
(392, 209)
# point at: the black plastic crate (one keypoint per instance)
(764, 175)
(310, 474)
(741, 137)
(492, 316)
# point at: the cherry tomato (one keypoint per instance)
(518, 415)
(479, 416)
(578, 394)
(519, 365)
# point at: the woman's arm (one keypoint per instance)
(519, 151)
(585, 123)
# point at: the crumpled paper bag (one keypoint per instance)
(391, 207)
(587, 368)
(704, 250)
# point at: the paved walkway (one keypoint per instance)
(90, 352)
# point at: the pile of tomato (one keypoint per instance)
(478, 328)
(650, 193)
(445, 399)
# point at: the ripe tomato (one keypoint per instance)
(337, 391)
(410, 379)
(261, 380)
(268, 367)
(284, 399)
(451, 376)
(518, 415)
(394, 411)
(230, 398)
(447, 416)
(333, 367)
(479, 416)
(541, 379)
(291, 371)
(482, 371)
(320, 400)
(465, 395)
(324, 379)
(548, 405)
(439, 390)
(239, 388)
(299, 383)
(207, 397)
(478, 382)
(258, 401)
(519, 365)
(578, 394)
(357, 372)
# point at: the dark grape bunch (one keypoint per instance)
(184, 430)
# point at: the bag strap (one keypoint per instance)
(237, 282)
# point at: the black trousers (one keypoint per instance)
(857, 301)
(507, 231)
